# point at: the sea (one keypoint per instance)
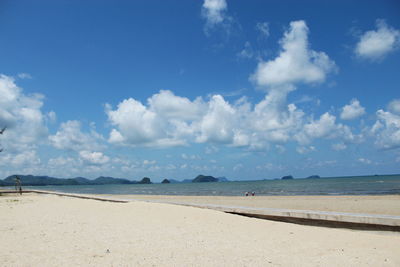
(352, 185)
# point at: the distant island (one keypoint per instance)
(200, 179)
(204, 179)
(32, 180)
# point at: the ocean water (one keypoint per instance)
(360, 185)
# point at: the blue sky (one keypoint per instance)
(172, 89)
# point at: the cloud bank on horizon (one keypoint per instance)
(35, 142)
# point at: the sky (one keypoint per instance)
(172, 89)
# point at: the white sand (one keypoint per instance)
(380, 204)
(48, 230)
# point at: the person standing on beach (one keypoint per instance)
(18, 186)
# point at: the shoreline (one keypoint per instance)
(369, 204)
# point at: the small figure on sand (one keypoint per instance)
(18, 186)
(253, 193)
(246, 194)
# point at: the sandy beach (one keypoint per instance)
(46, 230)
(371, 204)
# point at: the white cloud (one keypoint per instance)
(365, 161)
(238, 167)
(275, 121)
(263, 29)
(94, 157)
(305, 149)
(326, 127)
(214, 11)
(190, 157)
(61, 162)
(218, 123)
(269, 166)
(247, 52)
(22, 115)
(70, 137)
(149, 162)
(394, 106)
(386, 130)
(164, 122)
(211, 149)
(376, 44)
(24, 158)
(51, 116)
(323, 127)
(135, 121)
(339, 146)
(296, 63)
(352, 111)
(24, 76)
(170, 106)
(170, 120)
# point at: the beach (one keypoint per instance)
(47, 230)
(372, 204)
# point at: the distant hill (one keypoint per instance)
(313, 177)
(222, 179)
(33, 180)
(165, 181)
(145, 180)
(111, 180)
(204, 179)
(82, 180)
(39, 180)
(287, 177)
(173, 181)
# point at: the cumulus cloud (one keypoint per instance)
(352, 111)
(218, 123)
(170, 106)
(323, 127)
(394, 106)
(70, 137)
(94, 157)
(327, 128)
(214, 11)
(296, 63)
(386, 130)
(170, 120)
(22, 115)
(24, 158)
(376, 44)
(164, 122)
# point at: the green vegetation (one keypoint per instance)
(204, 179)
(32, 180)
